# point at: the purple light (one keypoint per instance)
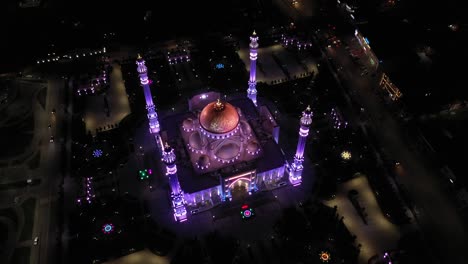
(152, 116)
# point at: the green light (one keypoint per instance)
(143, 174)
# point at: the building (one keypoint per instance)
(218, 150)
(225, 149)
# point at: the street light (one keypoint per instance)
(324, 256)
(346, 155)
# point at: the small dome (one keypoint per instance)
(245, 128)
(227, 151)
(188, 124)
(203, 161)
(219, 117)
(196, 141)
(252, 146)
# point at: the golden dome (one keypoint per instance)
(219, 117)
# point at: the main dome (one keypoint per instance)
(219, 117)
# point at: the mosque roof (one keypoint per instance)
(219, 117)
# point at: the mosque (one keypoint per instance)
(222, 149)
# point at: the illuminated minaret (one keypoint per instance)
(152, 116)
(295, 172)
(252, 90)
(177, 195)
(169, 159)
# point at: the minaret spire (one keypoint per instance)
(152, 115)
(295, 172)
(252, 90)
(177, 195)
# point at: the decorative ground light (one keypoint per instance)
(246, 212)
(144, 174)
(108, 228)
(324, 256)
(97, 153)
(346, 155)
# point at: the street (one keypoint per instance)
(45, 224)
(436, 215)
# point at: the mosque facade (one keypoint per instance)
(218, 150)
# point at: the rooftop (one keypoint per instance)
(193, 178)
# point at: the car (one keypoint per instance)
(160, 244)
(282, 184)
(353, 193)
(51, 140)
(194, 211)
(36, 241)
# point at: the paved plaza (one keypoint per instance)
(95, 115)
(376, 237)
(269, 67)
(140, 257)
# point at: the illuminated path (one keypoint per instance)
(141, 257)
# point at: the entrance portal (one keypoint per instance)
(240, 189)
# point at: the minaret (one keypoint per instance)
(169, 159)
(152, 116)
(177, 195)
(252, 90)
(295, 172)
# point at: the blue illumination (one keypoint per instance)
(219, 66)
(366, 40)
(97, 153)
(108, 228)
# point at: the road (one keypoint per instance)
(436, 214)
(45, 220)
(45, 224)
